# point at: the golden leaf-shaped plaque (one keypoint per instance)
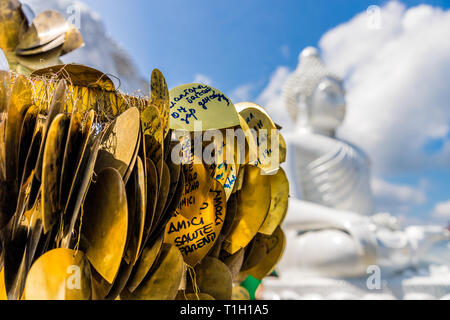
(212, 277)
(46, 26)
(197, 181)
(105, 223)
(56, 107)
(5, 90)
(275, 248)
(258, 120)
(255, 251)
(253, 205)
(226, 168)
(145, 262)
(72, 40)
(21, 100)
(3, 295)
(251, 148)
(163, 282)
(51, 170)
(137, 231)
(240, 293)
(195, 236)
(160, 97)
(13, 23)
(71, 151)
(182, 295)
(199, 102)
(153, 137)
(283, 148)
(78, 75)
(119, 145)
(279, 189)
(59, 274)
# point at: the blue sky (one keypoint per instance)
(232, 42)
(238, 43)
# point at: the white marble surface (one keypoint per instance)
(422, 284)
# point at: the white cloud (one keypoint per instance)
(201, 78)
(396, 79)
(442, 210)
(397, 198)
(285, 52)
(270, 98)
(242, 93)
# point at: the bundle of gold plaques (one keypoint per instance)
(103, 195)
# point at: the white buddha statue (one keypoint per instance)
(3, 62)
(330, 224)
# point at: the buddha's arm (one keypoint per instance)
(307, 216)
(304, 215)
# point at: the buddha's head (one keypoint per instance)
(315, 97)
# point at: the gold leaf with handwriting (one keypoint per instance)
(160, 97)
(199, 102)
(195, 236)
(226, 171)
(275, 248)
(257, 119)
(197, 181)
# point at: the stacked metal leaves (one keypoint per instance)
(94, 207)
(33, 42)
(94, 202)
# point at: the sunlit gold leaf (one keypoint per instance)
(255, 251)
(163, 192)
(145, 262)
(46, 26)
(196, 236)
(51, 170)
(160, 97)
(5, 90)
(164, 278)
(136, 213)
(13, 24)
(257, 119)
(279, 189)
(233, 262)
(212, 277)
(240, 293)
(119, 145)
(197, 181)
(182, 295)
(78, 75)
(275, 248)
(72, 41)
(154, 136)
(71, 152)
(59, 274)
(253, 205)
(56, 107)
(152, 196)
(198, 102)
(105, 223)
(2, 285)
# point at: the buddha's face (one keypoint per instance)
(327, 109)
